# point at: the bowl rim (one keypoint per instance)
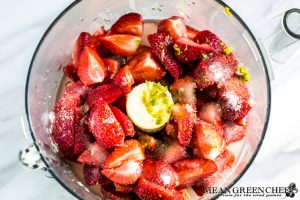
(220, 2)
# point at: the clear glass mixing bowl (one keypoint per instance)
(53, 52)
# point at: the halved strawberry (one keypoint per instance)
(125, 122)
(175, 26)
(112, 67)
(233, 132)
(208, 141)
(91, 68)
(124, 79)
(171, 152)
(130, 150)
(106, 92)
(125, 174)
(123, 188)
(121, 45)
(184, 117)
(148, 190)
(187, 51)
(104, 126)
(211, 113)
(92, 174)
(183, 91)
(162, 45)
(71, 72)
(191, 32)
(160, 173)
(78, 91)
(207, 37)
(233, 97)
(131, 23)
(217, 69)
(107, 192)
(93, 155)
(145, 67)
(225, 160)
(191, 171)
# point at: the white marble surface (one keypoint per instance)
(22, 25)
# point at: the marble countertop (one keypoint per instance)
(23, 24)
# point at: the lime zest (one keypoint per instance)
(243, 73)
(177, 49)
(137, 42)
(227, 11)
(227, 50)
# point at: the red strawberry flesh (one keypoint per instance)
(131, 23)
(174, 26)
(125, 122)
(106, 92)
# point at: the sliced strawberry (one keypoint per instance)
(233, 97)
(91, 68)
(148, 142)
(121, 45)
(125, 174)
(225, 160)
(233, 132)
(171, 152)
(147, 190)
(191, 32)
(106, 92)
(125, 122)
(145, 67)
(93, 155)
(175, 26)
(217, 69)
(123, 188)
(77, 89)
(207, 37)
(184, 117)
(191, 171)
(107, 192)
(208, 141)
(121, 103)
(71, 72)
(104, 126)
(124, 79)
(130, 150)
(211, 113)
(92, 175)
(160, 173)
(112, 67)
(187, 51)
(183, 91)
(131, 23)
(162, 46)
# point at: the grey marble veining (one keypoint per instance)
(22, 25)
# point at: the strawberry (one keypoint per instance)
(171, 152)
(233, 132)
(145, 67)
(92, 175)
(217, 69)
(207, 37)
(125, 174)
(162, 44)
(130, 150)
(183, 91)
(233, 97)
(121, 103)
(148, 142)
(77, 90)
(125, 122)
(225, 160)
(191, 32)
(104, 126)
(160, 173)
(84, 39)
(174, 26)
(121, 45)
(107, 192)
(123, 188)
(91, 68)
(211, 113)
(93, 155)
(187, 51)
(112, 67)
(69, 71)
(191, 171)
(124, 79)
(106, 92)
(208, 141)
(148, 190)
(185, 118)
(131, 23)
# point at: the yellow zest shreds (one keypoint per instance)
(137, 42)
(227, 50)
(243, 73)
(177, 49)
(227, 11)
(186, 48)
(204, 56)
(206, 40)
